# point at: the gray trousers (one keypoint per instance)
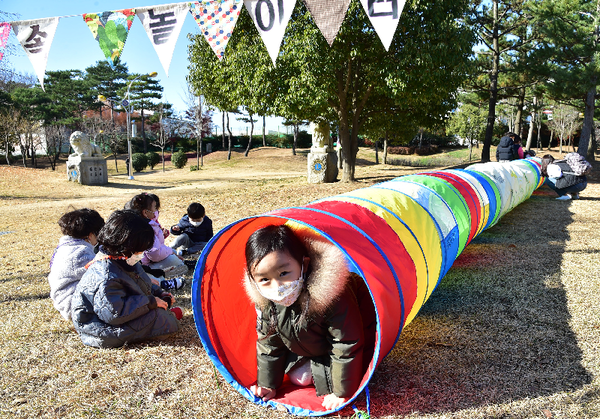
(184, 241)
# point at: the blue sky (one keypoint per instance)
(75, 48)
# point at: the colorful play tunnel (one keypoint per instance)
(400, 236)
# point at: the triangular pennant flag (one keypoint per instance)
(328, 16)
(271, 19)
(163, 25)
(4, 33)
(110, 29)
(36, 38)
(217, 20)
(384, 16)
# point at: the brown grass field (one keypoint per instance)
(513, 330)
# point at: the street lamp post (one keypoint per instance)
(128, 107)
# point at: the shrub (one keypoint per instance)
(179, 159)
(193, 168)
(153, 159)
(139, 161)
(426, 150)
(401, 150)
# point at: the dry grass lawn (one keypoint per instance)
(512, 331)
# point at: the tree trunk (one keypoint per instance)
(530, 133)
(489, 130)
(199, 129)
(376, 152)
(162, 150)
(588, 120)
(116, 167)
(550, 143)
(295, 141)
(264, 131)
(144, 133)
(385, 147)
(251, 133)
(519, 118)
(223, 130)
(229, 139)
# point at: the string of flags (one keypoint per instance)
(215, 18)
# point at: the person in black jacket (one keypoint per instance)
(193, 231)
(560, 178)
(508, 148)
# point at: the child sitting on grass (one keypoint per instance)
(159, 256)
(193, 231)
(310, 324)
(75, 249)
(115, 302)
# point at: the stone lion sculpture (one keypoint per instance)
(321, 136)
(82, 146)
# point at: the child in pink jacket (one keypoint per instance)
(159, 256)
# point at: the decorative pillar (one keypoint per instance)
(322, 158)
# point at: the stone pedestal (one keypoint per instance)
(322, 167)
(87, 170)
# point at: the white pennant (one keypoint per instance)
(163, 24)
(384, 16)
(271, 18)
(36, 37)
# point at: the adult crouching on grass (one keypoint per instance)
(116, 302)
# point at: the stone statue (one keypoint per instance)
(82, 146)
(322, 159)
(86, 165)
(321, 138)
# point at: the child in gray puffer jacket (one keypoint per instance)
(116, 302)
(75, 249)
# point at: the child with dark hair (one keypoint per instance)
(193, 231)
(316, 320)
(75, 249)
(561, 178)
(159, 256)
(115, 302)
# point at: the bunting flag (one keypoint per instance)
(163, 25)
(271, 18)
(328, 16)
(110, 29)
(216, 19)
(4, 33)
(36, 37)
(384, 16)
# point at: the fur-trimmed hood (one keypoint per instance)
(327, 279)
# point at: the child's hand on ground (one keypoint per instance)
(332, 401)
(166, 233)
(162, 304)
(175, 228)
(263, 392)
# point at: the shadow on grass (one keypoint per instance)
(497, 327)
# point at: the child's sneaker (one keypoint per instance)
(178, 312)
(575, 195)
(173, 283)
(181, 252)
(565, 197)
(191, 264)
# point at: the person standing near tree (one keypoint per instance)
(508, 149)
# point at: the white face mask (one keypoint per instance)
(196, 223)
(285, 294)
(135, 258)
